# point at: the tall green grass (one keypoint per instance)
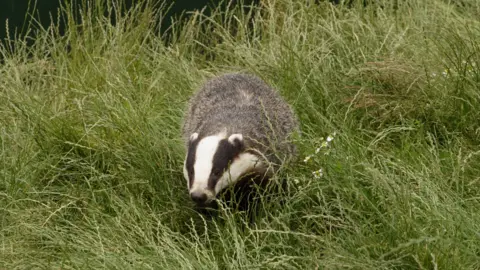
(91, 156)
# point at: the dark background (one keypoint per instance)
(19, 12)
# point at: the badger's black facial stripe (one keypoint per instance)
(225, 154)
(192, 150)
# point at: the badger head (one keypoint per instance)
(215, 162)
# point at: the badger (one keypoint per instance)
(236, 127)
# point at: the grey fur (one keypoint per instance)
(242, 103)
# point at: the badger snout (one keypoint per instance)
(201, 197)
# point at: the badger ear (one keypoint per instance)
(236, 140)
(193, 137)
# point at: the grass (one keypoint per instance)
(91, 156)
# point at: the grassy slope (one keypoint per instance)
(90, 159)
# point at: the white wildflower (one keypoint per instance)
(307, 158)
(318, 174)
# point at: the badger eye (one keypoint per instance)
(216, 173)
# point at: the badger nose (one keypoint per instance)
(198, 197)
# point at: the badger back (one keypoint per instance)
(242, 103)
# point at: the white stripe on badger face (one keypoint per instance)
(185, 172)
(246, 162)
(206, 149)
